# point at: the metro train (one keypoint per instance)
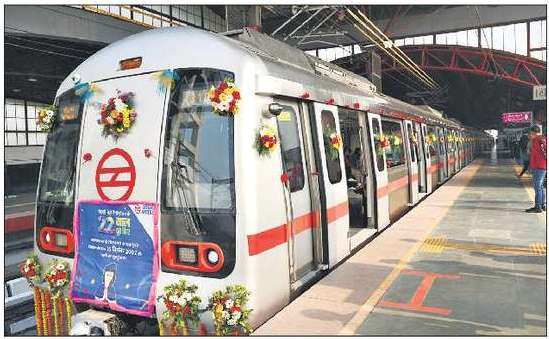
(348, 162)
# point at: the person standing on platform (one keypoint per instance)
(524, 151)
(538, 167)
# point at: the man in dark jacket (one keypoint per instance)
(538, 166)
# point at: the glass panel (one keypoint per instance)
(379, 150)
(544, 33)
(509, 38)
(290, 147)
(409, 41)
(21, 125)
(332, 155)
(398, 42)
(395, 154)
(418, 40)
(428, 40)
(59, 164)
(472, 38)
(412, 145)
(497, 37)
(432, 140)
(521, 39)
(20, 111)
(451, 39)
(125, 12)
(32, 138)
(31, 124)
(486, 37)
(441, 39)
(462, 38)
(21, 139)
(11, 124)
(536, 34)
(41, 138)
(198, 164)
(12, 139)
(9, 109)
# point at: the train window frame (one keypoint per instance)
(433, 147)
(402, 150)
(295, 185)
(333, 166)
(376, 131)
(199, 222)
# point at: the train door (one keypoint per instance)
(359, 177)
(335, 208)
(379, 162)
(118, 189)
(413, 168)
(442, 156)
(301, 239)
(427, 156)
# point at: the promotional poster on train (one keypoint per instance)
(116, 257)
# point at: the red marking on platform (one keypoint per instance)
(416, 303)
(18, 223)
(113, 182)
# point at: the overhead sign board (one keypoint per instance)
(540, 92)
(516, 117)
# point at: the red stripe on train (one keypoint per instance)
(264, 241)
(19, 222)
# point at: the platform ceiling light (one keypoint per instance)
(16, 90)
(32, 79)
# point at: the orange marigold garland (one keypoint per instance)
(225, 98)
(55, 316)
(38, 310)
(45, 313)
(68, 305)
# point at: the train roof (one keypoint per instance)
(280, 69)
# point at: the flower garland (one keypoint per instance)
(47, 119)
(430, 139)
(31, 270)
(394, 139)
(118, 115)
(265, 140)
(332, 143)
(182, 306)
(225, 98)
(38, 310)
(57, 276)
(382, 144)
(229, 310)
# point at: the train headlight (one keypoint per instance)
(213, 257)
(186, 255)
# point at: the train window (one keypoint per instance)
(450, 142)
(198, 187)
(432, 141)
(352, 152)
(290, 147)
(412, 143)
(376, 131)
(395, 154)
(55, 205)
(332, 157)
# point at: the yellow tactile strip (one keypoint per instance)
(439, 244)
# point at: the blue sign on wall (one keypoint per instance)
(116, 262)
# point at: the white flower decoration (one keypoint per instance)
(119, 104)
(231, 322)
(229, 303)
(225, 315)
(60, 266)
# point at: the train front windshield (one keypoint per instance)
(55, 205)
(198, 190)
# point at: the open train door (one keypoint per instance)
(413, 170)
(333, 182)
(380, 172)
(427, 156)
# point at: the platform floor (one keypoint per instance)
(466, 261)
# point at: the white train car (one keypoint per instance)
(224, 214)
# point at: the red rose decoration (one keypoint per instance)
(284, 178)
(148, 153)
(87, 157)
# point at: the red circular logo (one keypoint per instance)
(106, 178)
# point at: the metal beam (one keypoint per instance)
(304, 23)
(288, 21)
(317, 26)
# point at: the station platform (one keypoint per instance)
(466, 261)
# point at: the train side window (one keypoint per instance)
(412, 144)
(332, 158)
(376, 130)
(290, 147)
(433, 141)
(395, 154)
